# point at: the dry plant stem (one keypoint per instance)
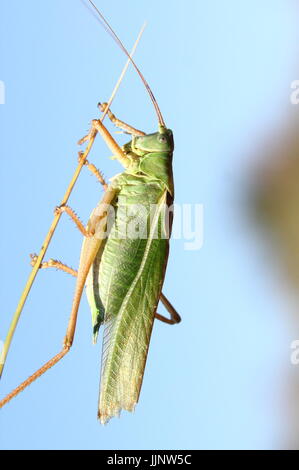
(47, 240)
(40, 257)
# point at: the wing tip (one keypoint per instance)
(105, 416)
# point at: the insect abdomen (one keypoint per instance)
(131, 274)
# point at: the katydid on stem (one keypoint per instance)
(123, 257)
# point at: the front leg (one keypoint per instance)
(118, 123)
(98, 126)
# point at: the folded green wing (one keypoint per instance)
(128, 287)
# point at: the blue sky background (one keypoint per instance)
(221, 72)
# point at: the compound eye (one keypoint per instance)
(162, 139)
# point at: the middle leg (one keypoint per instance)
(174, 316)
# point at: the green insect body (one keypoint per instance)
(123, 260)
(125, 280)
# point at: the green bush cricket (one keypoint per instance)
(123, 257)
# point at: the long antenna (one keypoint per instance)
(108, 28)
